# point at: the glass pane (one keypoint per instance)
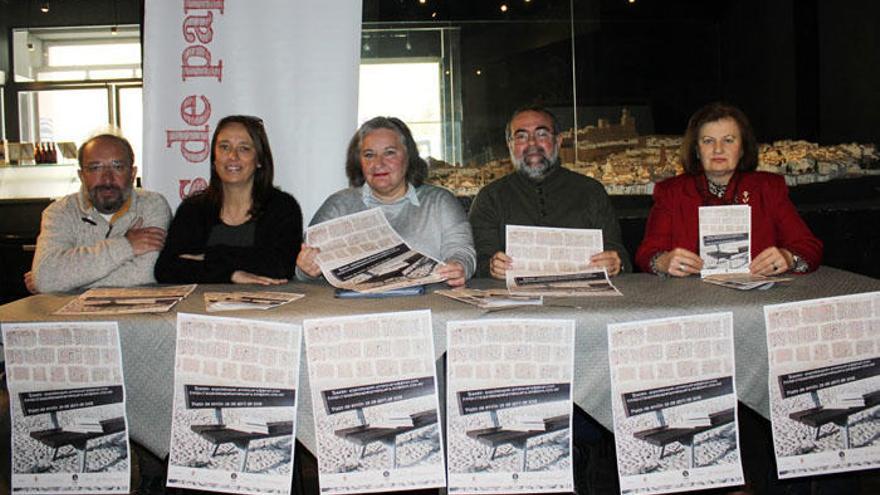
(409, 91)
(455, 71)
(131, 121)
(77, 53)
(97, 54)
(99, 75)
(61, 75)
(62, 115)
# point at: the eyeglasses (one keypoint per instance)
(115, 167)
(539, 135)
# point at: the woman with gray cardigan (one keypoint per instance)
(384, 170)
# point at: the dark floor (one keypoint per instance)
(148, 471)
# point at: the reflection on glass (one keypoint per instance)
(62, 115)
(94, 54)
(409, 91)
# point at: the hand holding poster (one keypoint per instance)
(362, 252)
(725, 239)
(824, 379)
(674, 404)
(509, 405)
(67, 401)
(235, 389)
(555, 262)
(375, 404)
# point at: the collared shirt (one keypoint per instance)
(392, 209)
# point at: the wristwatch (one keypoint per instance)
(799, 264)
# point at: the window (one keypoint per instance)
(412, 74)
(409, 91)
(73, 81)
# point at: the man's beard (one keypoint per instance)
(536, 172)
(111, 204)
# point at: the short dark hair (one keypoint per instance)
(416, 168)
(263, 176)
(129, 152)
(711, 113)
(508, 132)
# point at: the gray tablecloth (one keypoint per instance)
(148, 340)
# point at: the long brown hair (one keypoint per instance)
(263, 176)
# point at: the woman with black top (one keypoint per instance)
(240, 229)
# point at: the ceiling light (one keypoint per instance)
(44, 8)
(503, 7)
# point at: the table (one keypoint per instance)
(148, 339)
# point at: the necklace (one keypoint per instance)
(716, 190)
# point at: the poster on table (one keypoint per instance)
(238, 300)
(555, 262)
(509, 405)
(362, 252)
(375, 405)
(725, 239)
(824, 380)
(234, 414)
(293, 65)
(673, 399)
(126, 300)
(490, 299)
(67, 404)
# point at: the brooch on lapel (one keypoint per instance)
(744, 199)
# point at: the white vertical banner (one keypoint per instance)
(293, 64)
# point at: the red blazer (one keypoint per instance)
(674, 219)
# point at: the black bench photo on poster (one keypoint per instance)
(693, 405)
(248, 428)
(401, 423)
(79, 419)
(519, 425)
(851, 394)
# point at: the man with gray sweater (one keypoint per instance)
(106, 235)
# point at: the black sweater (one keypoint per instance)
(277, 240)
(564, 199)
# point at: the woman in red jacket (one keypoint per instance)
(720, 155)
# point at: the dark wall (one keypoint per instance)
(757, 53)
(74, 13)
(849, 61)
(799, 68)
